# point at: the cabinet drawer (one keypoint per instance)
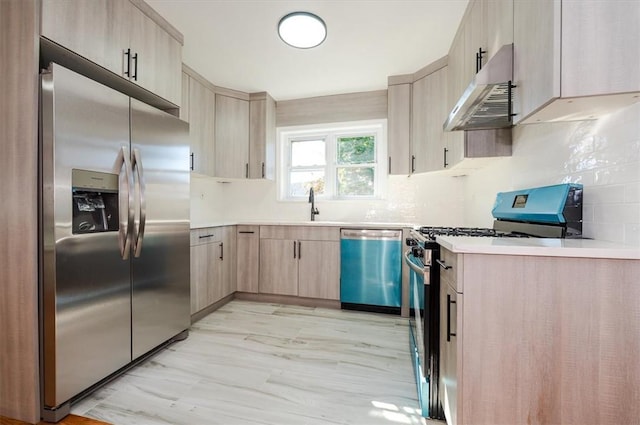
(206, 235)
(312, 233)
(450, 264)
(248, 231)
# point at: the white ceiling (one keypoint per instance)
(234, 43)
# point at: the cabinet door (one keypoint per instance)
(231, 137)
(204, 275)
(399, 128)
(455, 87)
(536, 58)
(428, 114)
(419, 126)
(319, 269)
(216, 288)
(262, 138)
(600, 46)
(202, 102)
(248, 243)
(449, 338)
(97, 30)
(157, 61)
(278, 267)
(436, 98)
(228, 258)
(499, 24)
(184, 104)
(475, 39)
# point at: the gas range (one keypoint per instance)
(543, 212)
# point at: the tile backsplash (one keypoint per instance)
(603, 155)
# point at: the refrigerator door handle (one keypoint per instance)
(124, 240)
(136, 165)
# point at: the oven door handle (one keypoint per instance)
(414, 266)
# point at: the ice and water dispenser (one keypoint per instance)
(95, 202)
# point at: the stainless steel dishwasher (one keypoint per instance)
(371, 270)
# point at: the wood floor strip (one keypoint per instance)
(69, 420)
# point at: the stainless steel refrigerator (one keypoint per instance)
(114, 233)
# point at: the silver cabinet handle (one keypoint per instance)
(299, 250)
(124, 238)
(136, 164)
(443, 264)
(294, 249)
(222, 250)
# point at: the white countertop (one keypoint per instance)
(359, 225)
(546, 247)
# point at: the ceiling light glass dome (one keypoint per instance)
(303, 30)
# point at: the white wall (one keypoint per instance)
(603, 155)
(421, 199)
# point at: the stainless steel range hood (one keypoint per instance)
(486, 103)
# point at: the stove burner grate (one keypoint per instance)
(432, 232)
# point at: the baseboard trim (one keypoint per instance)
(210, 309)
(286, 299)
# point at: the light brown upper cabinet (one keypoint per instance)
(232, 137)
(486, 26)
(399, 127)
(200, 106)
(428, 112)
(122, 37)
(584, 64)
(262, 136)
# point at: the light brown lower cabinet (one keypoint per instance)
(300, 261)
(213, 265)
(248, 265)
(540, 340)
(278, 267)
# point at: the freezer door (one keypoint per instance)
(85, 280)
(160, 248)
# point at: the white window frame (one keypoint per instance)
(330, 133)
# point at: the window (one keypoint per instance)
(337, 162)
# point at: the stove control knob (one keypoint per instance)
(411, 242)
(417, 252)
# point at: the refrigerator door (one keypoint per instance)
(160, 247)
(86, 303)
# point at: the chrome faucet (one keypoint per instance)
(314, 210)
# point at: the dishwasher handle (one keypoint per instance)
(371, 234)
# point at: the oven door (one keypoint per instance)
(424, 319)
(418, 275)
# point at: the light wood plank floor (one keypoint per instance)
(256, 363)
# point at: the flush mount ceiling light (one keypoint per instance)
(303, 30)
